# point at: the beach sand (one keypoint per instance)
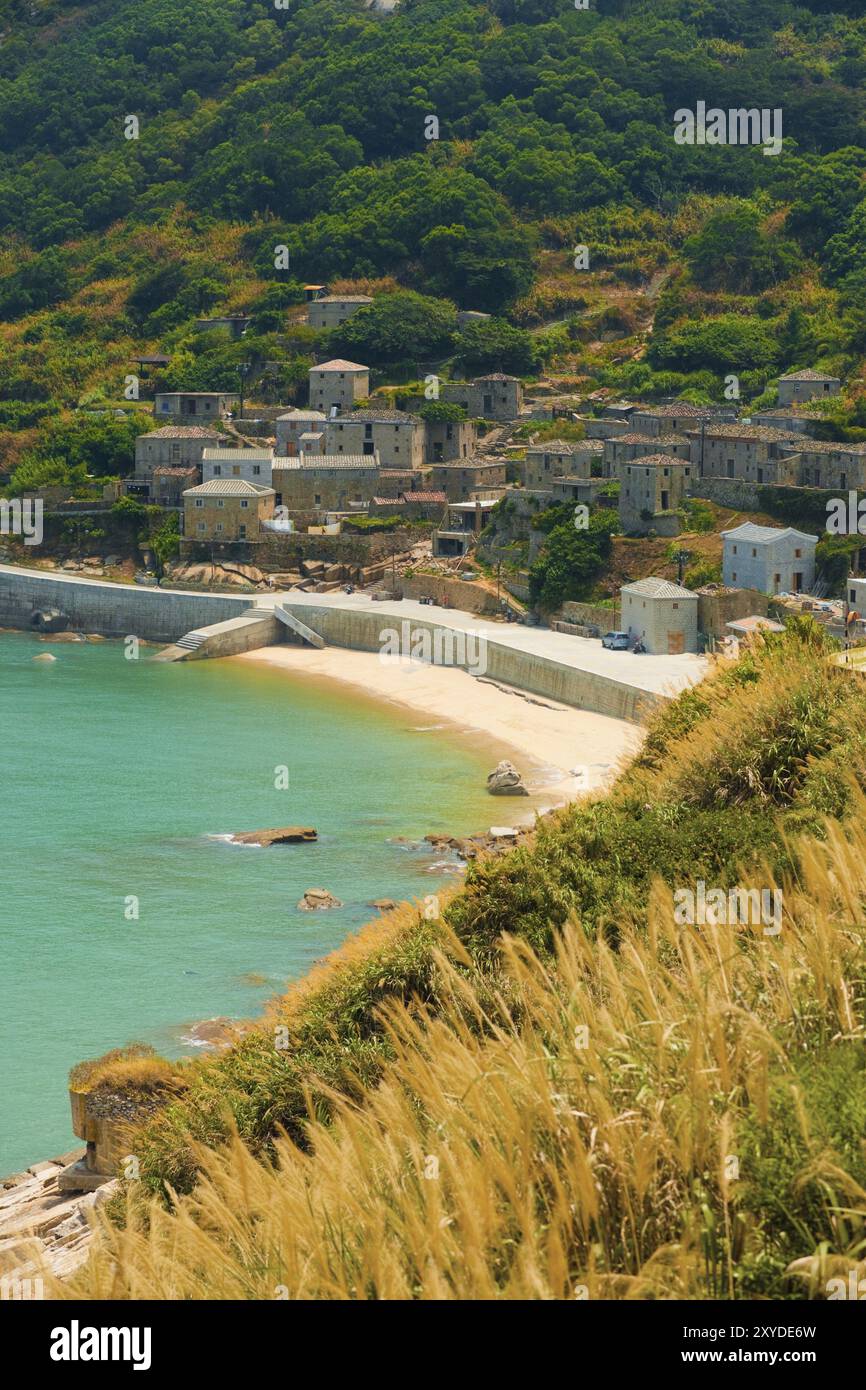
(562, 752)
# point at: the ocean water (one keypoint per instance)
(118, 778)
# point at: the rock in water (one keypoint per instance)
(317, 898)
(45, 656)
(505, 780)
(287, 835)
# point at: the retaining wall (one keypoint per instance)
(113, 610)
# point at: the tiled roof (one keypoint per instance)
(182, 432)
(655, 439)
(237, 455)
(763, 535)
(229, 487)
(808, 374)
(426, 497)
(656, 460)
(296, 414)
(682, 408)
(387, 501)
(799, 411)
(368, 461)
(657, 588)
(376, 413)
(339, 364)
(804, 445)
(165, 472)
(342, 299)
(496, 376)
(763, 432)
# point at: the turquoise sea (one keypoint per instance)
(117, 778)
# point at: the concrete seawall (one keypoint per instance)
(555, 666)
(113, 610)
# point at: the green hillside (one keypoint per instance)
(304, 128)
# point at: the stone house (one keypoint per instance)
(446, 441)
(235, 325)
(227, 510)
(651, 489)
(623, 448)
(577, 489)
(662, 614)
(558, 458)
(393, 482)
(168, 485)
(789, 417)
(292, 426)
(827, 463)
(397, 437)
(496, 396)
(328, 483)
(420, 505)
(330, 310)
(771, 559)
(198, 405)
(337, 384)
(254, 465)
(753, 453)
(461, 480)
(173, 446)
(806, 386)
(676, 418)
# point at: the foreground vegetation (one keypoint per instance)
(552, 1086)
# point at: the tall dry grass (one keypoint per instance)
(500, 1157)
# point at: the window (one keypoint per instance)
(236, 470)
(797, 554)
(199, 501)
(317, 497)
(217, 470)
(733, 550)
(257, 469)
(244, 502)
(777, 579)
(201, 528)
(676, 605)
(219, 526)
(220, 502)
(734, 577)
(754, 552)
(242, 533)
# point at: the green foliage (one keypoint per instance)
(494, 345)
(570, 559)
(733, 252)
(396, 329)
(44, 471)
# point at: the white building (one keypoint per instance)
(253, 465)
(771, 559)
(662, 614)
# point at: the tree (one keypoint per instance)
(395, 329)
(571, 559)
(494, 343)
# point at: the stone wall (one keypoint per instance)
(457, 593)
(727, 492)
(605, 618)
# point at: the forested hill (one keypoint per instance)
(307, 128)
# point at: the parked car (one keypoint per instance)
(615, 641)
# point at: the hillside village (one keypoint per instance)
(409, 489)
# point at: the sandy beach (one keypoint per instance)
(562, 752)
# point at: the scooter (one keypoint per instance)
(639, 648)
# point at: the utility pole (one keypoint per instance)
(681, 557)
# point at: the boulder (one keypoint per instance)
(384, 904)
(286, 835)
(505, 780)
(317, 899)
